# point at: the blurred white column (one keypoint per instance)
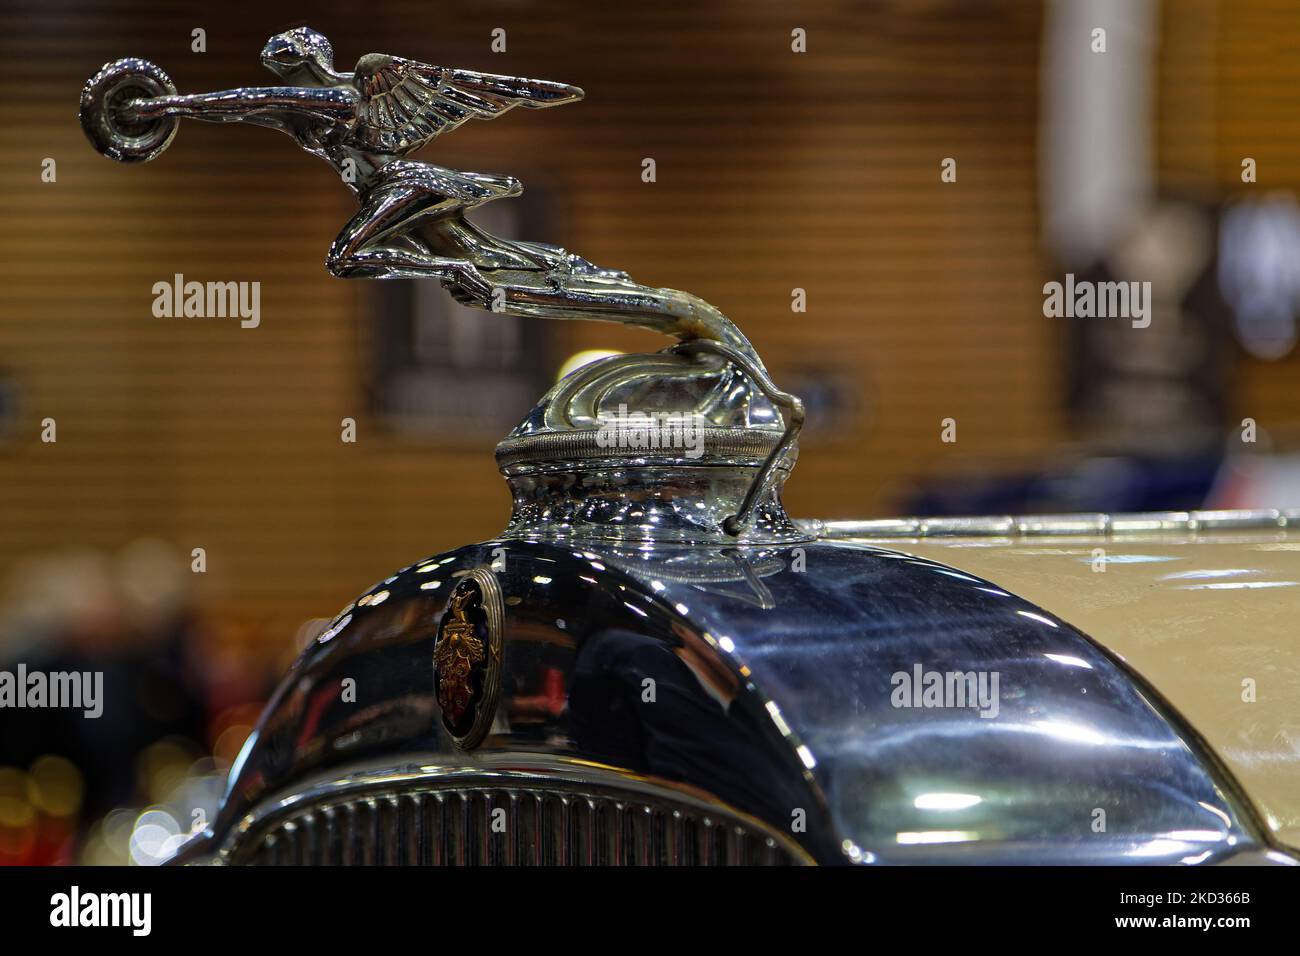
(1096, 124)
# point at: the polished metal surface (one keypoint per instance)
(781, 455)
(612, 501)
(774, 673)
(117, 136)
(1176, 522)
(705, 461)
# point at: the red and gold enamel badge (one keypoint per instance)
(467, 658)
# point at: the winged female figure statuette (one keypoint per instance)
(412, 221)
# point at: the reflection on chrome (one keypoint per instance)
(1195, 836)
(1216, 811)
(1037, 617)
(1179, 841)
(946, 801)
(1074, 733)
(806, 756)
(1069, 660)
(915, 837)
(954, 574)
(330, 633)
(777, 719)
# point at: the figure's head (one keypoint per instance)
(300, 55)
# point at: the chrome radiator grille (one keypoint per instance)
(508, 827)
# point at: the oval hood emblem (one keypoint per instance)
(467, 658)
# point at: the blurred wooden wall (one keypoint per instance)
(775, 170)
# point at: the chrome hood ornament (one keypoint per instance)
(710, 438)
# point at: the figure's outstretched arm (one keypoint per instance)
(264, 104)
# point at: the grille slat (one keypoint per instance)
(567, 841)
(543, 828)
(439, 841)
(347, 824)
(466, 833)
(410, 811)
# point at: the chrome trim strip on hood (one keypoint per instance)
(1093, 524)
